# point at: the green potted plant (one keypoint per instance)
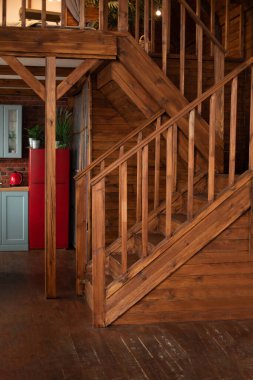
(63, 127)
(35, 135)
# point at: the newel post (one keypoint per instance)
(81, 233)
(123, 16)
(98, 253)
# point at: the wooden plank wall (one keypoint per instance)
(215, 284)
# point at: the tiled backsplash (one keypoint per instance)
(8, 166)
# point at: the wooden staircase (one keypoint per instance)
(196, 206)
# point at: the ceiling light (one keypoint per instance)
(158, 12)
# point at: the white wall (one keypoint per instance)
(13, 7)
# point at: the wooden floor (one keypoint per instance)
(53, 340)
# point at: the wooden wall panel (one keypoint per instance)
(217, 283)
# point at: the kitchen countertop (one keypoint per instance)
(13, 188)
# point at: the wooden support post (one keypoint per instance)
(23, 6)
(227, 24)
(212, 24)
(169, 181)
(82, 14)
(50, 175)
(145, 201)
(146, 25)
(3, 13)
(63, 13)
(175, 157)
(137, 20)
(81, 233)
(211, 160)
(98, 253)
(182, 47)
(165, 27)
(43, 13)
(123, 214)
(190, 165)
(157, 166)
(233, 123)
(103, 15)
(123, 16)
(139, 181)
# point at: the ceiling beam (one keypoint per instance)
(26, 75)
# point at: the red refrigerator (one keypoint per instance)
(37, 198)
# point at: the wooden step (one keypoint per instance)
(177, 220)
(114, 263)
(154, 238)
(199, 202)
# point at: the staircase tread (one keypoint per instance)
(131, 258)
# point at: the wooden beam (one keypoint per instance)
(50, 175)
(82, 14)
(139, 181)
(63, 13)
(190, 193)
(103, 15)
(233, 124)
(165, 27)
(144, 201)
(211, 161)
(157, 165)
(76, 74)
(123, 16)
(81, 233)
(23, 6)
(26, 75)
(146, 25)
(60, 42)
(169, 182)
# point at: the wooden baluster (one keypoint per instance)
(98, 253)
(43, 14)
(152, 24)
(241, 32)
(3, 13)
(103, 15)
(251, 164)
(169, 181)
(175, 156)
(81, 233)
(233, 123)
(121, 152)
(23, 22)
(211, 161)
(219, 59)
(82, 14)
(123, 16)
(145, 201)
(182, 47)
(146, 25)
(212, 24)
(190, 165)
(165, 27)
(63, 13)
(123, 214)
(227, 24)
(251, 124)
(139, 181)
(157, 166)
(137, 20)
(199, 40)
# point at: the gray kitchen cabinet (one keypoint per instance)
(10, 131)
(14, 221)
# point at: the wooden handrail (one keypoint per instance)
(172, 120)
(202, 25)
(118, 145)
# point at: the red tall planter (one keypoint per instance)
(37, 198)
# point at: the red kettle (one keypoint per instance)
(16, 179)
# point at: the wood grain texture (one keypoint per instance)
(50, 178)
(211, 162)
(123, 16)
(103, 15)
(233, 125)
(145, 201)
(26, 75)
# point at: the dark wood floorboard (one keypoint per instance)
(54, 340)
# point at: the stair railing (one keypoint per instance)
(83, 198)
(143, 149)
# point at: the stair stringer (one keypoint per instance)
(165, 93)
(170, 255)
